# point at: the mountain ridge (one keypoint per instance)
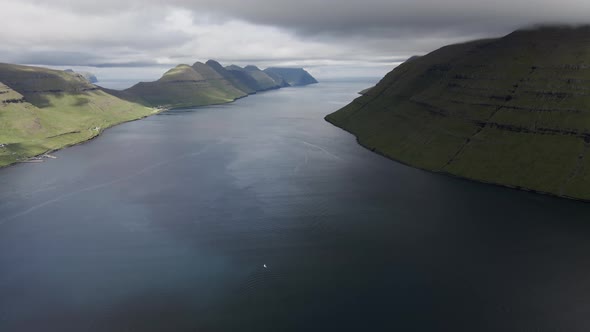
(44, 109)
(292, 76)
(203, 84)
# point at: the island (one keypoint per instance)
(512, 111)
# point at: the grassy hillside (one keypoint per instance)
(292, 76)
(513, 111)
(218, 81)
(264, 81)
(279, 80)
(240, 80)
(244, 77)
(185, 86)
(43, 110)
(253, 77)
(90, 77)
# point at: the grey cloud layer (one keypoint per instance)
(336, 16)
(277, 31)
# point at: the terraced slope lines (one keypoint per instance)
(90, 77)
(264, 81)
(513, 111)
(187, 86)
(243, 82)
(291, 76)
(201, 84)
(43, 110)
(278, 79)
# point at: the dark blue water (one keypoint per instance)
(166, 224)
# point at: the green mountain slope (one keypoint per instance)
(253, 77)
(292, 76)
(43, 110)
(90, 77)
(264, 81)
(241, 81)
(218, 81)
(244, 77)
(186, 86)
(279, 80)
(513, 111)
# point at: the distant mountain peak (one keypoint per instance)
(90, 77)
(292, 76)
(210, 82)
(213, 63)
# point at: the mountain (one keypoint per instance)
(513, 111)
(255, 78)
(43, 110)
(244, 78)
(365, 91)
(240, 80)
(205, 84)
(90, 77)
(292, 76)
(186, 86)
(279, 80)
(264, 81)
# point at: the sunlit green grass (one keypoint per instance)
(57, 110)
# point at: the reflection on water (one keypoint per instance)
(167, 224)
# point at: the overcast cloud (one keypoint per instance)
(371, 36)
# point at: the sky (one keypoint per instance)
(330, 38)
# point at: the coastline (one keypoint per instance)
(39, 158)
(464, 178)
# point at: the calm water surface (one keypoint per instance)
(166, 224)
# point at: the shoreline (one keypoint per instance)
(459, 177)
(39, 158)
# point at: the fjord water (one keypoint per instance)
(260, 216)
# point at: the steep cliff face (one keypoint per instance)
(292, 76)
(185, 86)
(513, 111)
(264, 81)
(43, 109)
(218, 81)
(202, 84)
(279, 80)
(243, 82)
